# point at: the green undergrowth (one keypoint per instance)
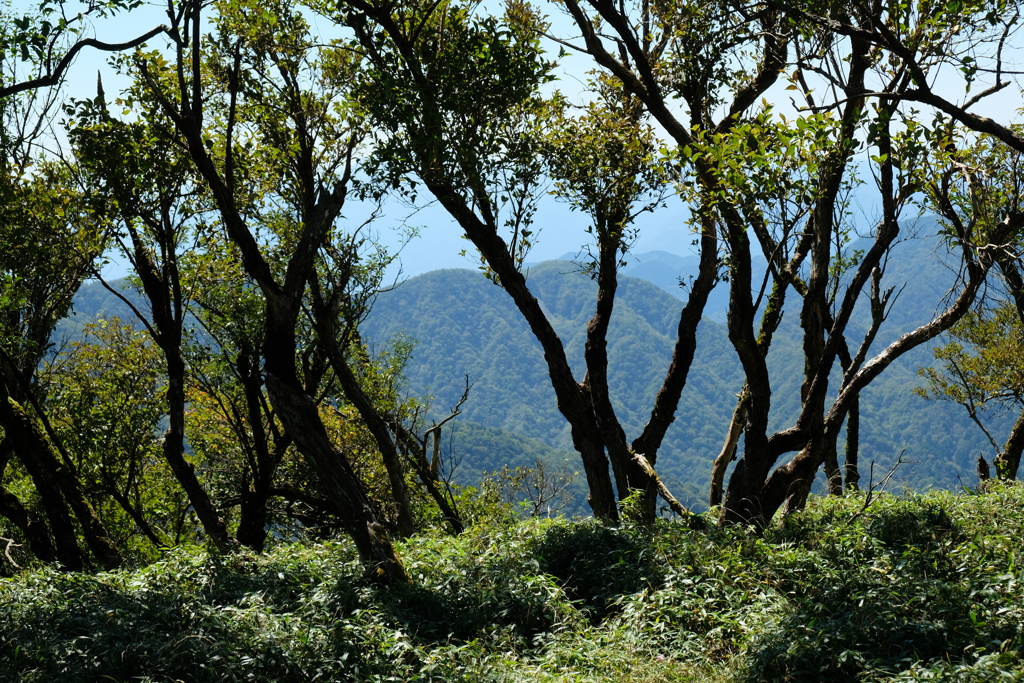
(914, 589)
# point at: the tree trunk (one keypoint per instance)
(262, 460)
(136, 515)
(1008, 461)
(165, 299)
(252, 519)
(174, 453)
(374, 422)
(63, 490)
(573, 400)
(630, 476)
(760, 499)
(27, 441)
(428, 475)
(789, 485)
(299, 415)
(853, 445)
(728, 452)
(666, 402)
(741, 504)
(833, 476)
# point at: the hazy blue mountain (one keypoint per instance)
(672, 273)
(94, 302)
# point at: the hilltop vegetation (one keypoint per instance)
(240, 477)
(914, 589)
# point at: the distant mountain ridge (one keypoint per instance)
(465, 325)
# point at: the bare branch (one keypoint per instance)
(53, 78)
(883, 482)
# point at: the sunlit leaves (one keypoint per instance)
(767, 166)
(982, 366)
(105, 398)
(461, 111)
(605, 162)
(703, 51)
(50, 241)
(973, 184)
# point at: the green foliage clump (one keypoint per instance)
(907, 589)
(596, 564)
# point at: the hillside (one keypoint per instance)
(464, 325)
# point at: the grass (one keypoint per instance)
(918, 589)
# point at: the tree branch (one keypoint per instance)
(54, 77)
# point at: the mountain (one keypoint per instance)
(94, 302)
(464, 325)
(671, 273)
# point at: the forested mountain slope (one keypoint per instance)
(464, 325)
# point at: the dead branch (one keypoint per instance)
(7, 551)
(674, 504)
(882, 483)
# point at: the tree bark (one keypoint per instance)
(630, 475)
(174, 453)
(255, 496)
(573, 400)
(754, 500)
(377, 426)
(61, 491)
(428, 474)
(27, 441)
(1008, 460)
(666, 402)
(853, 445)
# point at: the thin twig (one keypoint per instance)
(882, 483)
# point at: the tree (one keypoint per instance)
(711, 64)
(105, 398)
(32, 59)
(982, 361)
(51, 243)
(45, 43)
(150, 191)
(454, 98)
(250, 87)
(340, 291)
(981, 371)
(231, 421)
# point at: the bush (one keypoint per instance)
(915, 589)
